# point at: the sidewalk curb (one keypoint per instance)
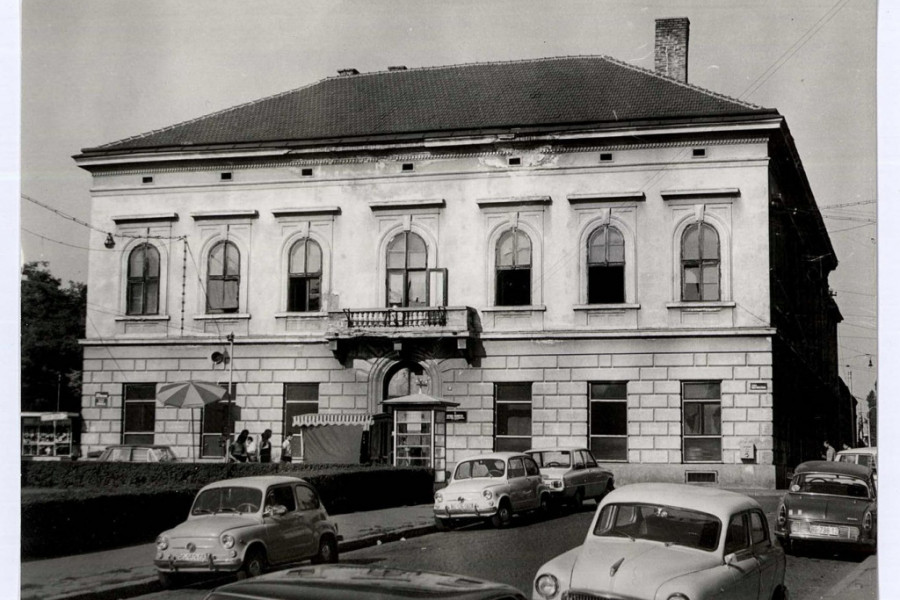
(838, 590)
(149, 585)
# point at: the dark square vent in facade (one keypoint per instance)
(699, 152)
(515, 161)
(605, 156)
(701, 477)
(147, 179)
(407, 167)
(226, 176)
(306, 172)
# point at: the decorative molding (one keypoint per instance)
(713, 305)
(124, 219)
(307, 162)
(606, 307)
(589, 198)
(407, 204)
(703, 193)
(521, 309)
(514, 202)
(208, 215)
(146, 318)
(222, 317)
(306, 212)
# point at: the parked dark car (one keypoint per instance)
(831, 503)
(338, 582)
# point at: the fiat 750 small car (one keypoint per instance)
(244, 525)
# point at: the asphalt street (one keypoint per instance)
(513, 555)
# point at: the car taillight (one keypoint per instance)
(867, 521)
(782, 516)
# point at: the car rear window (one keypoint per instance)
(552, 458)
(830, 483)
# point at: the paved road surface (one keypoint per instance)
(513, 555)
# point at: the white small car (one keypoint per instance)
(572, 475)
(491, 487)
(664, 541)
(244, 525)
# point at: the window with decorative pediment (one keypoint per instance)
(143, 281)
(305, 277)
(513, 265)
(223, 278)
(700, 261)
(606, 266)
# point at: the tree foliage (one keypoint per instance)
(53, 320)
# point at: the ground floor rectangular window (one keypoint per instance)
(216, 425)
(138, 413)
(609, 420)
(701, 421)
(512, 416)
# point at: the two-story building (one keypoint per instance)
(548, 252)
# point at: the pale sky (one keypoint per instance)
(95, 71)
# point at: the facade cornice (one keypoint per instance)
(513, 201)
(306, 211)
(209, 215)
(408, 152)
(700, 193)
(162, 217)
(606, 197)
(407, 204)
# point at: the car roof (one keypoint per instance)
(558, 449)
(831, 466)
(497, 455)
(714, 501)
(358, 581)
(259, 481)
(873, 451)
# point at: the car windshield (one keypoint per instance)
(830, 483)
(552, 458)
(480, 467)
(227, 500)
(667, 524)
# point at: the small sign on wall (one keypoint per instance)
(457, 416)
(101, 399)
(759, 385)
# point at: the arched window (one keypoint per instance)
(305, 277)
(143, 281)
(223, 278)
(700, 259)
(407, 270)
(606, 266)
(513, 264)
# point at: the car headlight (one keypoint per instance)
(782, 516)
(438, 498)
(546, 585)
(488, 494)
(162, 542)
(228, 540)
(678, 596)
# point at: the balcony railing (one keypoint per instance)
(396, 318)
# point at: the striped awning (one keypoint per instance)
(359, 420)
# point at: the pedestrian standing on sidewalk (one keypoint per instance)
(829, 451)
(265, 447)
(237, 451)
(251, 449)
(286, 450)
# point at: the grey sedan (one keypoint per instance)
(572, 474)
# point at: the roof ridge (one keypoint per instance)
(685, 84)
(208, 115)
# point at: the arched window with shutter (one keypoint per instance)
(142, 297)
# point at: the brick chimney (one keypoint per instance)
(670, 55)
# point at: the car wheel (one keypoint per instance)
(328, 551)
(443, 524)
(544, 508)
(503, 515)
(609, 487)
(577, 500)
(170, 581)
(778, 594)
(254, 563)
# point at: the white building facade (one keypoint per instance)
(565, 278)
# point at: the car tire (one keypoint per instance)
(503, 515)
(255, 563)
(779, 593)
(443, 524)
(170, 581)
(328, 551)
(577, 500)
(545, 506)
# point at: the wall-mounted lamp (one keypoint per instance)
(109, 242)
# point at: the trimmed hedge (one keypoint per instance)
(70, 508)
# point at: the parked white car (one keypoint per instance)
(246, 524)
(663, 541)
(572, 474)
(491, 487)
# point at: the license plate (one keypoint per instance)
(193, 557)
(823, 530)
